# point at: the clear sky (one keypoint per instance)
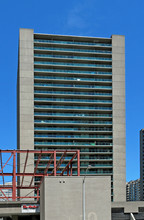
(99, 18)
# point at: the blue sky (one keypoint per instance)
(77, 17)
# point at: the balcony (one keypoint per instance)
(72, 143)
(72, 64)
(72, 86)
(93, 122)
(72, 43)
(63, 100)
(44, 78)
(87, 108)
(69, 136)
(36, 48)
(84, 115)
(76, 93)
(73, 129)
(72, 71)
(71, 57)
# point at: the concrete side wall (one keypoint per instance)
(42, 200)
(25, 100)
(129, 207)
(118, 96)
(63, 198)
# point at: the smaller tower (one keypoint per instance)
(133, 190)
(142, 164)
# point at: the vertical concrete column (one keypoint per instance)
(118, 98)
(25, 86)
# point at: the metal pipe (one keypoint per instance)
(132, 216)
(84, 191)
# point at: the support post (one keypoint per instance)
(37, 194)
(71, 168)
(24, 167)
(37, 163)
(83, 192)
(65, 169)
(68, 171)
(83, 198)
(1, 166)
(132, 216)
(78, 162)
(14, 177)
(54, 163)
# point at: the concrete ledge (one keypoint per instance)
(129, 207)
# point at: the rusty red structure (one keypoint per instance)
(55, 159)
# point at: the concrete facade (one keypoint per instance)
(118, 98)
(62, 198)
(25, 99)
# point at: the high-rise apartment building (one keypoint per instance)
(133, 190)
(142, 164)
(71, 95)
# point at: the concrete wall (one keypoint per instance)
(129, 207)
(118, 98)
(62, 198)
(25, 98)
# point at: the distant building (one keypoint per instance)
(142, 164)
(133, 190)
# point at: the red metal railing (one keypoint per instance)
(55, 159)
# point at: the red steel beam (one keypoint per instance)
(68, 168)
(59, 162)
(5, 197)
(38, 195)
(46, 169)
(48, 164)
(78, 162)
(71, 168)
(37, 163)
(27, 187)
(25, 151)
(68, 164)
(6, 163)
(1, 166)
(14, 177)
(18, 187)
(68, 171)
(54, 163)
(37, 151)
(24, 168)
(25, 174)
(6, 187)
(22, 197)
